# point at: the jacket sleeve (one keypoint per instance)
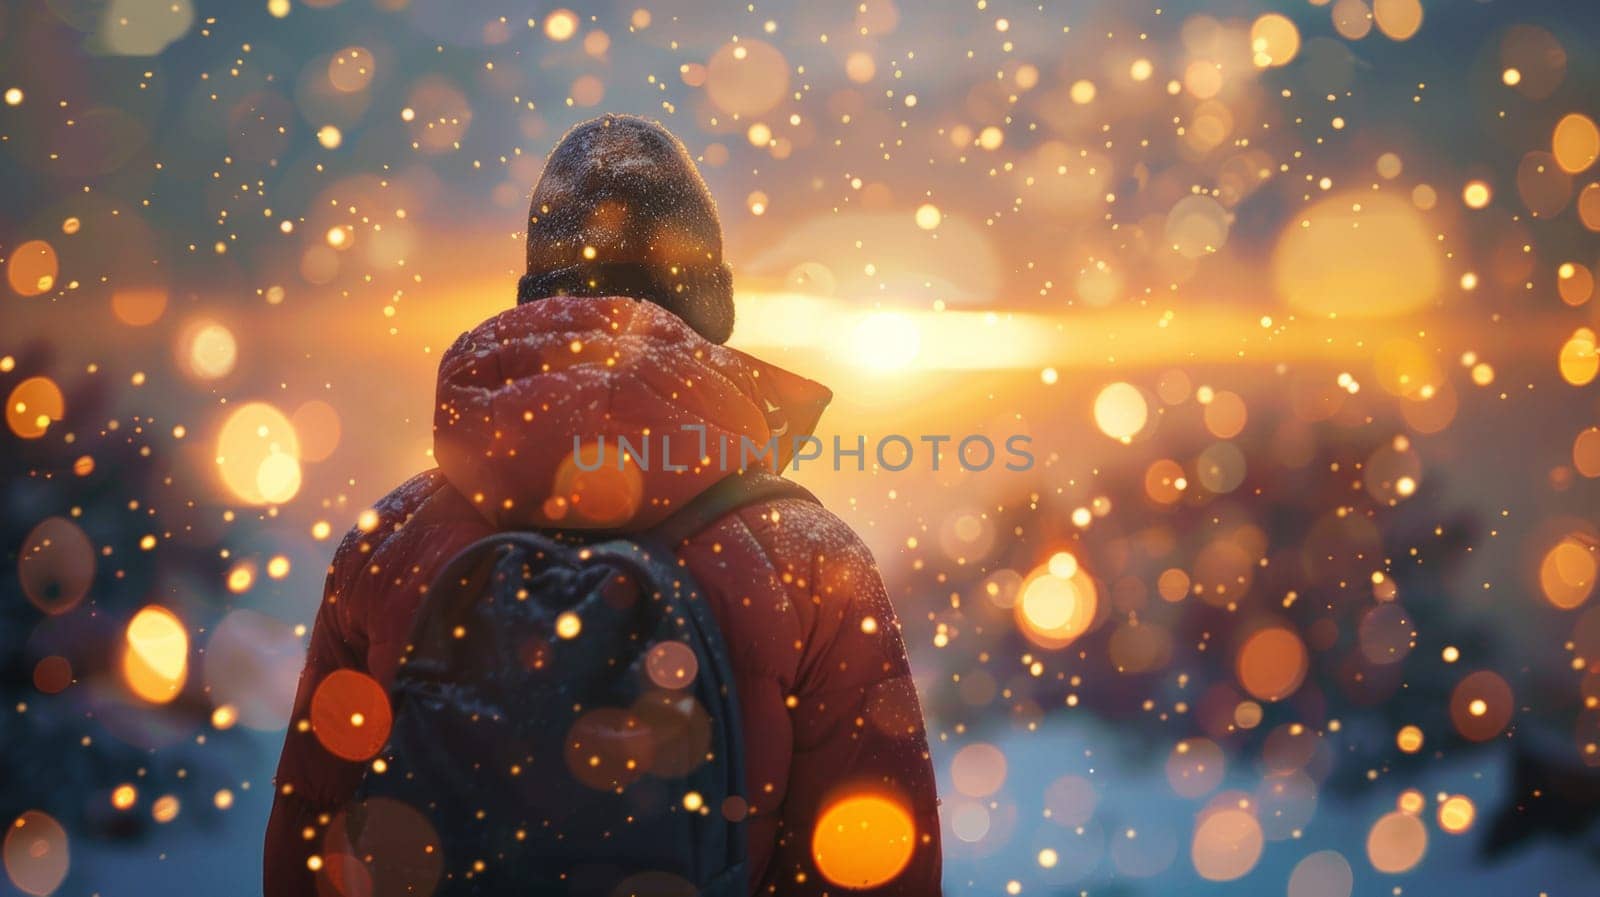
(312, 784)
(858, 734)
(362, 591)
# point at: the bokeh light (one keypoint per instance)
(609, 748)
(1481, 705)
(1567, 573)
(1579, 359)
(350, 715)
(56, 565)
(1397, 19)
(978, 770)
(139, 306)
(1456, 814)
(208, 350)
(33, 405)
(1227, 844)
(1274, 40)
(1055, 609)
(1575, 143)
(606, 495)
(561, 24)
(1120, 411)
(155, 657)
(863, 841)
(1325, 873)
(672, 664)
(1357, 254)
(1195, 767)
(32, 267)
(1396, 842)
(746, 77)
(258, 455)
(1272, 663)
(318, 427)
(36, 853)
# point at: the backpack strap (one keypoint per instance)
(725, 496)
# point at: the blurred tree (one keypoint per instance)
(73, 732)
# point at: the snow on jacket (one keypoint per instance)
(823, 682)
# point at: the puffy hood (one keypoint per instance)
(515, 391)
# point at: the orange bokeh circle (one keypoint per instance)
(350, 715)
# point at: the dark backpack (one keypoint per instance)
(564, 723)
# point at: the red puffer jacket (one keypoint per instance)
(828, 704)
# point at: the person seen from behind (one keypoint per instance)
(726, 707)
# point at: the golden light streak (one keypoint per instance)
(964, 340)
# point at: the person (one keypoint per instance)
(618, 331)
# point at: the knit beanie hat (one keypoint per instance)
(621, 210)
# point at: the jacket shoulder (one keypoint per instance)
(366, 544)
(387, 515)
(848, 633)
